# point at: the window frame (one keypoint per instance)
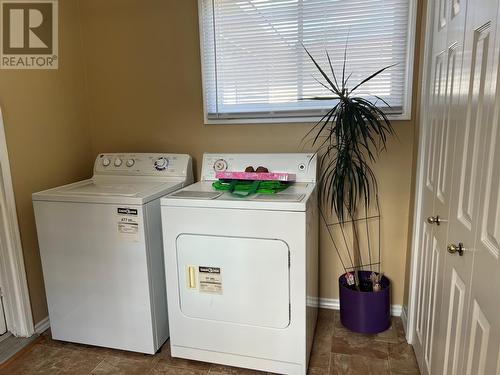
(409, 71)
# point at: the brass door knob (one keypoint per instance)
(452, 248)
(433, 220)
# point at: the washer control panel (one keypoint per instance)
(143, 164)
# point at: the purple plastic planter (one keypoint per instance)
(365, 312)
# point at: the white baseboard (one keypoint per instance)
(42, 325)
(325, 303)
(334, 304)
(329, 303)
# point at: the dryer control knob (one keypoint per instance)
(106, 162)
(161, 164)
(130, 162)
(220, 165)
(118, 162)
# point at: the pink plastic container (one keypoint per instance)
(278, 176)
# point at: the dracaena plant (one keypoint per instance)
(348, 138)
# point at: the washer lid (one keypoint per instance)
(92, 187)
(133, 191)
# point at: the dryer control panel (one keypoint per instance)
(303, 165)
(143, 164)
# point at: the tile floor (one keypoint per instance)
(336, 351)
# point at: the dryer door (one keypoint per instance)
(234, 279)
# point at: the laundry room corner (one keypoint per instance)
(104, 97)
(159, 86)
(98, 144)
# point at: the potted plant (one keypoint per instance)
(348, 139)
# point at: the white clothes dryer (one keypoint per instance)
(242, 273)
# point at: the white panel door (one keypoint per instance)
(458, 296)
(439, 136)
(455, 16)
(460, 310)
(482, 344)
(474, 32)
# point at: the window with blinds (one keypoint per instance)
(255, 65)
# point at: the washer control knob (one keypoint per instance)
(118, 162)
(130, 162)
(106, 162)
(161, 163)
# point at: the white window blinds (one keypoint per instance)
(254, 64)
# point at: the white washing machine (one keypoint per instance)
(242, 274)
(101, 249)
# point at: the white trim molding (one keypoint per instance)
(416, 252)
(12, 272)
(404, 319)
(334, 304)
(42, 325)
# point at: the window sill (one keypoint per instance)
(285, 120)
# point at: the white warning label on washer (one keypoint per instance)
(128, 223)
(210, 280)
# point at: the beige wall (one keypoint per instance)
(136, 86)
(143, 69)
(47, 136)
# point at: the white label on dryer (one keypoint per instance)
(210, 279)
(128, 223)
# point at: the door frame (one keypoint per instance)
(13, 275)
(416, 245)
